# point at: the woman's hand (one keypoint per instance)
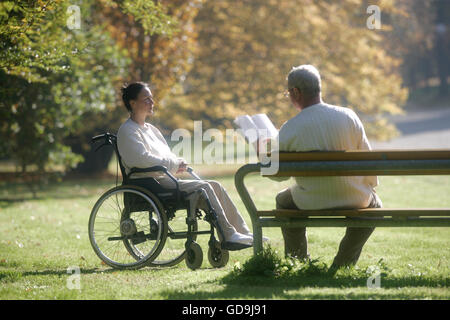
(182, 166)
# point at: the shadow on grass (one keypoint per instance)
(8, 275)
(303, 287)
(266, 275)
(13, 275)
(16, 192)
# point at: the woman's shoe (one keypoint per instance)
(241, 238)
(238, 241)
(265, 239)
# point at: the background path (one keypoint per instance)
(420, 129)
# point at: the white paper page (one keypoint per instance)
(263, 122)
(249, 129)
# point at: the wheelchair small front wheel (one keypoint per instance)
(217, 256)
(194, 256)
(174, 250)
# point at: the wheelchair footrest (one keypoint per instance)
(184, 235)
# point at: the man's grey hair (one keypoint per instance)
(306, 78)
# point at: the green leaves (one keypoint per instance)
(151, 15)
(58, 78)
(52, 76)
(31, 38)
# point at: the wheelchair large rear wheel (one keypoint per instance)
(127, 227)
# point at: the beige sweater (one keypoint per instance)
(143, 147)
(326, 127)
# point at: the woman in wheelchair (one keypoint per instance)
(141, 145)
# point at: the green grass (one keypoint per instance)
(40, 238)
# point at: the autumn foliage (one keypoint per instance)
(204, 60)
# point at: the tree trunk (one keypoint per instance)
(94, 161)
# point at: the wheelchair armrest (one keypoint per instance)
(149, 169)
(157, 169)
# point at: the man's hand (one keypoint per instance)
(263, 146)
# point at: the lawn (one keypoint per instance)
(41, 238)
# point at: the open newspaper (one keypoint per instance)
(256, 128)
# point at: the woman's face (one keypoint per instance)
(144, 102)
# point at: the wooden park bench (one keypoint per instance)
(348, 163)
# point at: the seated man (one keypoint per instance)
(322, 127)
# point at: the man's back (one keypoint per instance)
(323, 127)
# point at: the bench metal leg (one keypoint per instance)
(249, 204)
(257, 239)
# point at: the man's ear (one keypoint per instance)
(296, 93)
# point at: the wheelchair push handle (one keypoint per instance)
(96, 138)
(107, 137)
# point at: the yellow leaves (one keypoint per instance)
(109, 3)
(391, 7)
(246, 49)
(225, 95)
(381, 129)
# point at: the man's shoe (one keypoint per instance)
(332, 270)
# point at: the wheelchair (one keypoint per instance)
(137, 223)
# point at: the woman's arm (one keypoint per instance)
(134, 154)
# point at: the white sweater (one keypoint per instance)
(324, 127)
(143, 147)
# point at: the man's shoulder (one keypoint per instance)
(321, 111)
(340, 109)
(310, 112)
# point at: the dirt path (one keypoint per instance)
(420, 129)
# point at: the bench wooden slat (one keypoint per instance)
(356, 155)
(349, 222)
(360, 173)
(372, 212)
(363, 168)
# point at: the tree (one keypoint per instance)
(30, 38)
(52, 75)
(246, 49)
(420, 38)
(161, 58)
(442, 44)
(61, 80)
(159, 53)
(411, 40)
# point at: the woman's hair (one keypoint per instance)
(131, 91)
